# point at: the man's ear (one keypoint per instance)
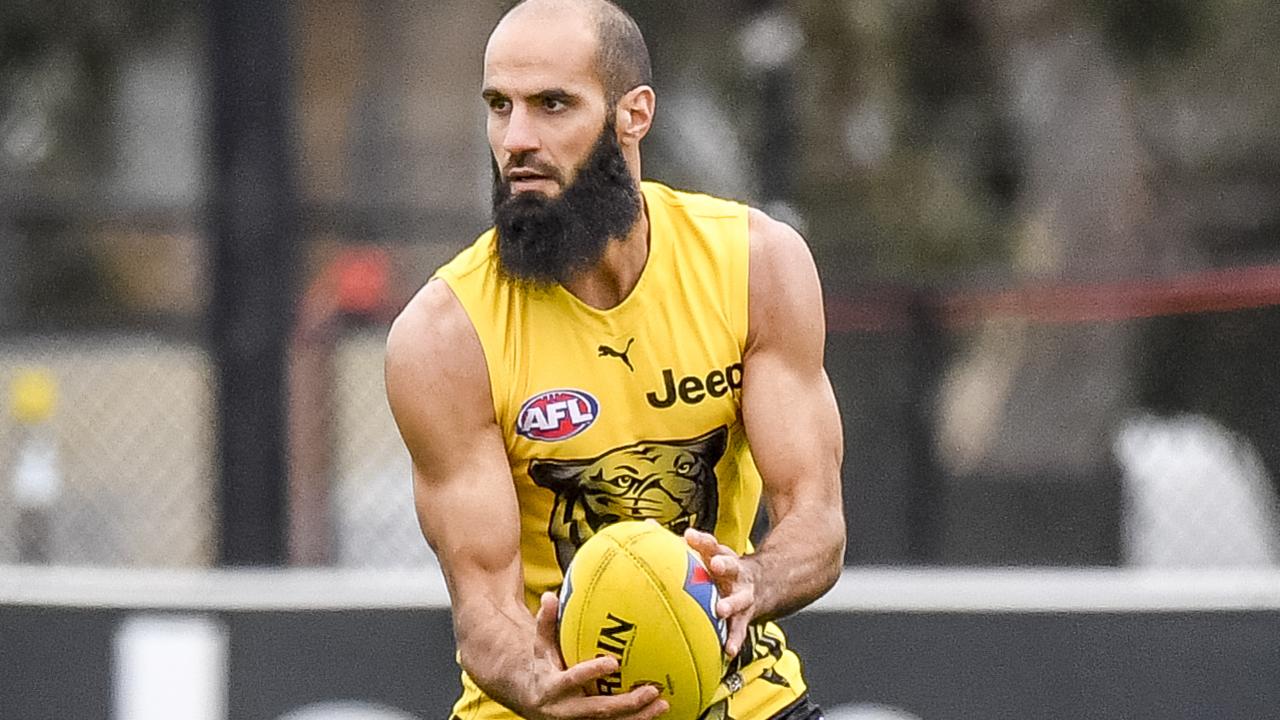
(635, 115)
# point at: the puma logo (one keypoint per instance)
(606, 351)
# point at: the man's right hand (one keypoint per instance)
(561, 693)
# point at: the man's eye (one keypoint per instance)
(499, 104)
(553, 104)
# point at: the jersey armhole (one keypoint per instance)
(491, 355)
(740, 280)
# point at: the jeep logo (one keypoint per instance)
(692, 389)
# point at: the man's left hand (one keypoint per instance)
(735, 579)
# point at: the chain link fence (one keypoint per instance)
(372, 494)
(107, 457)
(119, 469)
(116, 468)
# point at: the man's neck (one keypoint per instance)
(613, 278)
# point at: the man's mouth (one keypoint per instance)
(526, 179)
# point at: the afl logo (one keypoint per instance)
(556, 415)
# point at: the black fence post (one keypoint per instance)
(926, 494)
(254, 224)
(775, 79)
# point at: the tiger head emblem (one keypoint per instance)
(670, 481)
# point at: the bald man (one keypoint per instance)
(613, 349)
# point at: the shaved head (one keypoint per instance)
(622, 57)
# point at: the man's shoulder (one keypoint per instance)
(768, 236)
(783, 279)
(437, 312)
(774, 239)
(693, 203)
(471, 259)
(432, 320)
(455, 313)
(434, 360)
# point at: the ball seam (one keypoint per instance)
(591, 584)
(657, 584)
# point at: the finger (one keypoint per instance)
(648, 712)
(640, 702)
(707, 547)
(657, 709)
(704, 543)
(712, 548)
(585, 673)
(547, 643)
(610, 706)
(724, 567)
(737, 634)
(724, 573)
(735, 603)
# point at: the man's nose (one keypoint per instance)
(521, 135)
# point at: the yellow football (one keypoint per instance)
(636, 591)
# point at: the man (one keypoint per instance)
(613, 350)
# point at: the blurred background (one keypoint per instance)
(1048, 233)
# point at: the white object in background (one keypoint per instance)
(867, 711)
(168, 667)
(351, 710)
(37, 479)
(771, 40)
(1195, 494)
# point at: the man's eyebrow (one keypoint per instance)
(559, 94)
(555, 94)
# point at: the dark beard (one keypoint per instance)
(544, 240)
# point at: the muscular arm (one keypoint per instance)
(438, 389)
(799, 459)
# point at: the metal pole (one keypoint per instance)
(254, 226)
(926, 501)
(36, 483)
(771, 44)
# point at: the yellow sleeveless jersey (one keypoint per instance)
(631, 412)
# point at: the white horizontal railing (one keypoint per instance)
(877, 590)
